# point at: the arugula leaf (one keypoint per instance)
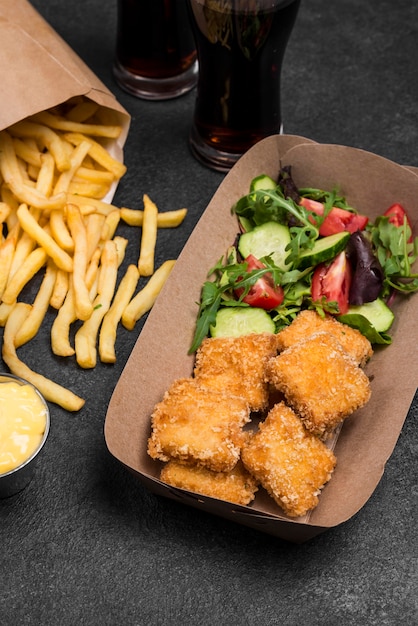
(267, 205)
(396, 254)
(208, 307)
(328, 198)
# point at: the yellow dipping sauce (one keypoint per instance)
(22, 424)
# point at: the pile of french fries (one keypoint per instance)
(55, 174)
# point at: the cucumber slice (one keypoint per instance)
(262, 182)
(270, 238)
(377, 313)
(324, 249)
(236, 321)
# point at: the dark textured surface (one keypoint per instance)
(85, 543)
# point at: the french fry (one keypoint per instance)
(27, 151)
(107, 275)
(110, 225)
(32, 227)
(24, 247)
(94, 176)
(148, 238)
(86, 204)
(144, 299)
(86, 336)
(108, 331)
(88, 189)
(36, 315)
(167, 219)
(10, 170)
(121, 245)
(5, 310)
(46, 173)
(82, 111)
(59, 230)
(32, 264)
(7, 249)
(76, 159)
(32, 197)
(98, 153)
(60, 290)
(24, 174)
(83, 304)
(171, 219)
(33, 173)
(52, 391)
(9, 198)
(4, 212)
(58, 123)
(94, 226)
(95, 285)
(47, 137)
(93, 268)
(60, 330)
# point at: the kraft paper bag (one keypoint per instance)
(39, 71)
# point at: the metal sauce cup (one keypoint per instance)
(18, 478)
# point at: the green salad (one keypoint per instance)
(307, 248)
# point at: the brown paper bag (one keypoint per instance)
(39, 70)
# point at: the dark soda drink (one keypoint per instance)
(155, 48)
(241, 45)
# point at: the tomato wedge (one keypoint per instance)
(397, 214)
(263, 294)
(337, 220)
(332, 281)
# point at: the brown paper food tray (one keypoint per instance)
(367, 438)
(39, 70)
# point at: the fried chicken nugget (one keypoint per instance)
(197, 425)
(236, 486)
(290, 463)
(320, 381)
(237, 364)
(309, 322)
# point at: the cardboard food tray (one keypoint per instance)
(39, 71)
(368, 437)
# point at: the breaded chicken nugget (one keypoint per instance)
(290, 463)
(237, 365)
(321, 382)
(309, 322)
(236, 486)
(199, 426)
